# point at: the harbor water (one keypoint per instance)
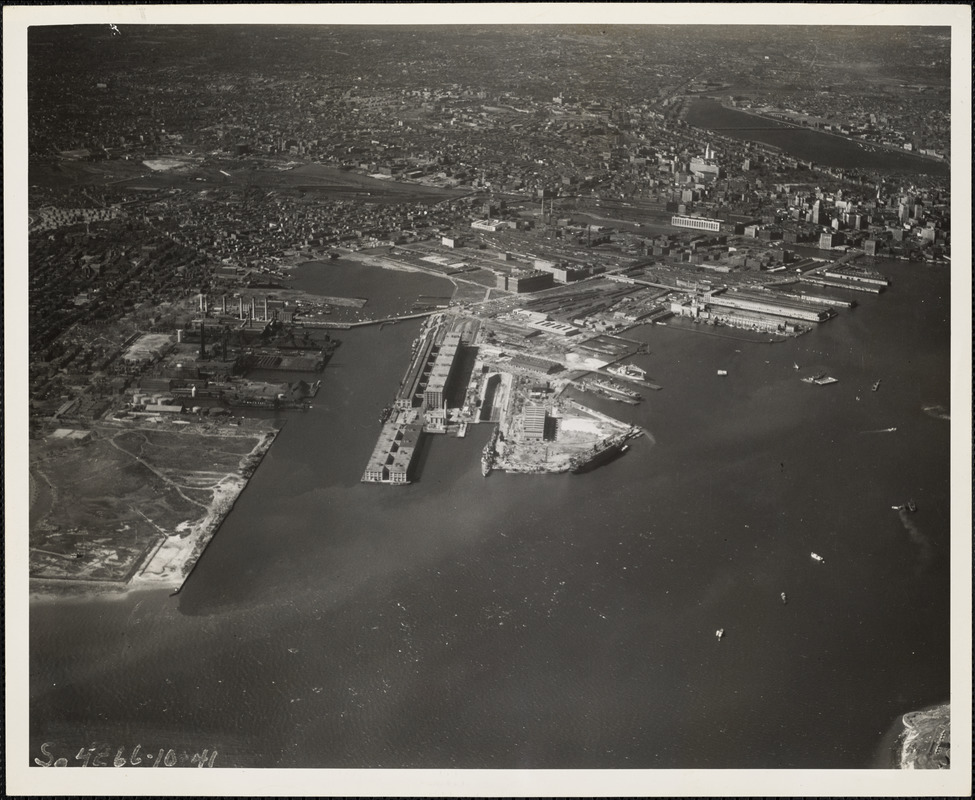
(559, 621)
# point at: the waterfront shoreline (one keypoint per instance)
(53, 591)
(879, 145)
(173, 564)
(914, 743)
(384, 262)
(168, 563)
(825, 150)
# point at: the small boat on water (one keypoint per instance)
(784, 598)
(719, 633)
(820, 380)
(911, 506)
(722, 372)
(875, 386)
(816, 557)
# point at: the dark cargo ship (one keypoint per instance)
(609, 453)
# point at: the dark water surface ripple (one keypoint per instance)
(560, 621)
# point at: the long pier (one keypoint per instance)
(344, 326)
(399, 318)
(838, 284)
(818, 299)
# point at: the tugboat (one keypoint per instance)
(719, 633)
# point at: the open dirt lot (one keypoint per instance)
(108, 505)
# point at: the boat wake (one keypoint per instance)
(925, 549)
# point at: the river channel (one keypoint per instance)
(825, 149)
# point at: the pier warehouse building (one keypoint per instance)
(392, 457)
(765, 305)
(427, 380)
(426, 384)
(410, 388)
(444, 363)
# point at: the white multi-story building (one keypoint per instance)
(696, 223)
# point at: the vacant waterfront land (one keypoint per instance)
(135, 501)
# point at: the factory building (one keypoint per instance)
(539, 366)
(563, 273)
(520, 281)
(550, 326)
(491, 225)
